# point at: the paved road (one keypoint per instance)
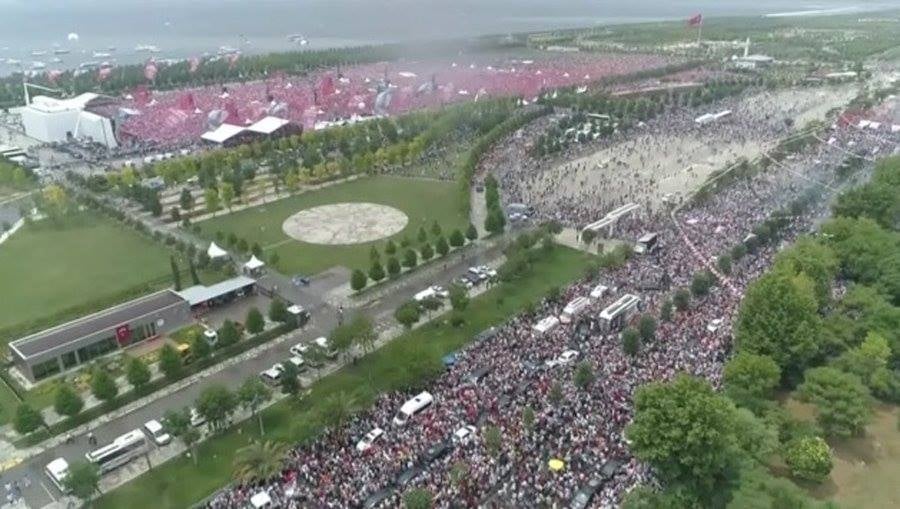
(324, 318)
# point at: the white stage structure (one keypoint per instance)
(49, 119)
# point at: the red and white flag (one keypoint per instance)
(695, 20)
(54, 75)
(104, 73)
(193, 64)
(150, 70)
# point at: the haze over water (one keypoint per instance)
(183, 28)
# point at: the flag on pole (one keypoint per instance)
(193, 64)
(695, 20)
(103, 73)
(53, 76)
(150, 70)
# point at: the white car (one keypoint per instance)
(155, 431)
(273, 374)
(196, 418)
(464, 434)
(365, 443)
(440, 292)
(477, 272)
(487, 270)
(58, 470)
(564, 358)
(714, 325)
(298, 362)
(299, 349)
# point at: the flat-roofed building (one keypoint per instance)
(72, 344)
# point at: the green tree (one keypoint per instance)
(227, 193)
(724, 264)
(200, 347)
(757, 489)
(176, 274)
(390, 248)
(242, 246)
(809, 458)
(407, 314)
(137, 373)
(374, 255)
(393, 266)
(228, 334)
(179, 425)
(27, 419)
(436, 229)
(647, 328)
(376, 271)
(750, 379)
(426, 251)
(216, 404)
(841, 399)
(418, 498)
(358, 280)
(665, 310)
(441, 246)
(252, 394)
(410, 258)
(686, 432)
(82, 481)
(682, 299)
(868, 360)
(471, 232)
(338, 408)
(494, 222)
(258, 461)
(631, 341)
(459, 297)
(755, 437)
(422, 235)
(278, 311)
(779, 318)
(186, 200)
(457, 239)
(815, 260)
(290, 381)
(274, 259)
(67, 402)
(584, 375)
(255, 322)
(195, 279)
(211, 199)
(492, 440)
(170, 362)
(556, 394)
(701, 283)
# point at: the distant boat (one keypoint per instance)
(227, 50)
(298, 39)
(13, 61)
(38, 65)
(146, 48)
(101, 54)
(88, 65)
(38, 53)
(56, 60)
(61, 51)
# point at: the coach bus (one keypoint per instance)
(574, 308)
(122, 450)
(617, 313)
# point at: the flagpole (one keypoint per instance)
(699, 30)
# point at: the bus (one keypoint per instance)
(122, 450)
(574, 309)
(647, 244)
(615, 315)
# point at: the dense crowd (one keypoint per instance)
(179, 117)
(584, 428)
(664, 157)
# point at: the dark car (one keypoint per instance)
(610, 468)
(476, 375)
(376, 499)
(585, 494)
(438, 450)
(408, 476)
(300, 280)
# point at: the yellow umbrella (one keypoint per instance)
(556, 464)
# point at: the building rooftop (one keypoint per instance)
(199, 293)
(108, 319)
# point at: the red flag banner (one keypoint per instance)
(103, 73)
(695, 20)
(150, 70)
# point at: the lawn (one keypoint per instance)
(423, 201)
(55, 272)
(179, 483)
(865, 469)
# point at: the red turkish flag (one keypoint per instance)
(695, 20)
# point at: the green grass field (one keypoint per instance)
(179, 483)
(84, 264)
(423, 201)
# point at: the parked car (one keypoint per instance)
(300, 280)
(155, 431)
(272, 375)
(564, 358)
(196, 418)
(365, 443)
(464, 434)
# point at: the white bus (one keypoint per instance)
(413, 407)
(122, 450)
(646, 244)
(615, 315)
(574, 309)
(545, 325)
(57, 470)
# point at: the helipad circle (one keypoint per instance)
(345, 223)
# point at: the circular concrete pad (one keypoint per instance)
(345, 223)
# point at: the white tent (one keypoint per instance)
(261, 499)
(215, 251)
(254, 263)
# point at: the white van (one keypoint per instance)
(57, 470)
(413, 407)
(574, 308)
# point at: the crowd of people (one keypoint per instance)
(180, 117)
(658, 162)
(580, 426)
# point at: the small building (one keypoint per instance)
(254, 267)
(227, 135)
(274, 127)
(72, 344)
(201, 298)
(49, 119)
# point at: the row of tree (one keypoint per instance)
(406, 255)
